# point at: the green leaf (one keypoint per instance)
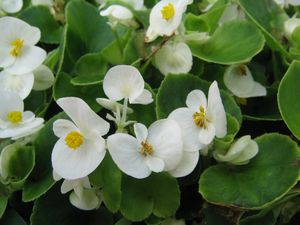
(288, 98)
(11, 217)
(195, 23)
(108, 177)
(267, 177)
(90, 68)
(55, 208)
(40, 16)
(158, 193)
(3, 203)
(174, 89)
(269, 17)
(227, 46)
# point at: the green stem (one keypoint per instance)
(118, 39)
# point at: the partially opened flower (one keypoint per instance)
(18, 53)
(126, 82)
(80, 148)
(14, 122)
(240, 152)
(19, 84)
(290, 25)
(238, 79)
(157, 149)
(11, 6)
(174, 58)
(43, 78)
(202, 119)
(165, 18)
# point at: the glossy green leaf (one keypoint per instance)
(158, 193)
(40, 16)
(3, 203)
(173, 92)
(108, 177)
(55, 208)
(265, 179)
(269, 17)
(225, 48)
(195, 23)
(11, 217)
(288, 98)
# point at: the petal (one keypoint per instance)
(215, 110)
(87, 201)
(248, 153)
(140, 131)
(56, 176)
(11, 6)
(195, 99)
(124, 150)
(28, 116)
(189, 131)
(43, 78)
(112, 105)
(62, 127)
(67, 185)
(187, 164)
(10, 102)
(206, 135)
(29, 59)
(5, 58)
(83, 116)
(145, 98)
(155, 164)
(20, 84)
(166, 140)
(257, 91)
(123, 81)
(73, 164)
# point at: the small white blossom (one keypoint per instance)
(18, 53)
(11, 6)
(202, 119)
(232, 12)
(238, 79)
(286, 3)
(43, 78)
(165, 18)
(14, 122)
(157, 149)
(290, 25)
(80, 148)
(240, 152)
(174, 58)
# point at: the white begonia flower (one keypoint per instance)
(165, 18)
(43, 78)
(14, 122)
(232, 12)
(20, 84)
(174, 57)
(157, 149)
(286, 3)
(238, 79)
(126, 82)
(202, 120)
(240, 152)
(11, 6)
(80, 148)
(18, 55)
(290, 25)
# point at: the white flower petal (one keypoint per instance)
(216, 111)
(166, 140)
(5, 58)
(48, 3)
(290, 25)
(56, 176)
(155, 164)
(73, 164)
(257, 91)
(293, 2)
(206, 135)
(11, 6)
(112, 105)
(20, 84)
(29, 59)
(174, 58)
(69, 185)
(10, 102)
(83, 116)
(189, 130)
(124, 150)
(28, 117)
(187, 164)
(123, 81)
(87, 201)
(249, 152)
(145, 98)
(195, 99)
(118, 12)
(62, 127)
(43, 78)
(140, 131)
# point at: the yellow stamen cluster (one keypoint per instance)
(147, 148)
(168, 11)
(74, 139)
(17, 47)
(14, 117)
(199, 117)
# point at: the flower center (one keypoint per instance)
(168, 11)
(242, 70)
(74, 139)
(14, 117)
(147, 148)
(199, 118)
(17, 47)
